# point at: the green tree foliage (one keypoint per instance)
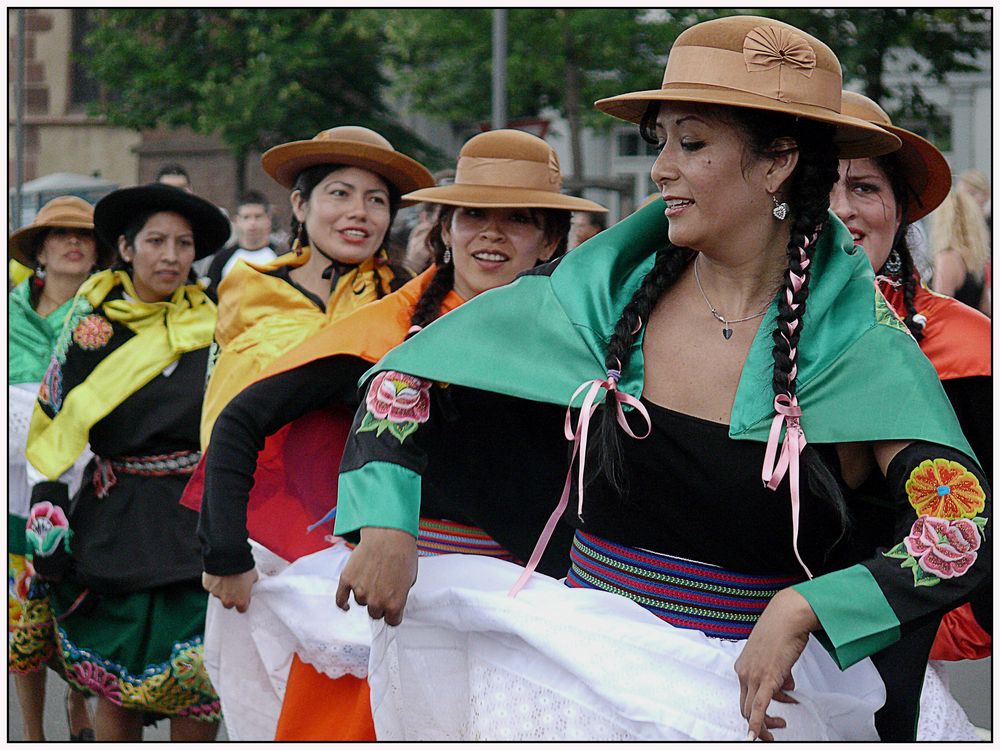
(256, 77)
(559, 58)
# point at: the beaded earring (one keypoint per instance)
(780, 210)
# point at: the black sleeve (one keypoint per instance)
(238, 436)
(214, 272)
(972, 400)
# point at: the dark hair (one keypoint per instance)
(131, 231)
(808, 195)
(172, 167)
(252, 197)
(596, 219)
(902, 193)
(309, 178)
(552, 221)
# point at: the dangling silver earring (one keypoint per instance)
(447, 256)
(893, 264)
(40, 272)
(780, 210)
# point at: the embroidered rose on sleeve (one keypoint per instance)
(396, 402)
(939, 548)
(47, 527)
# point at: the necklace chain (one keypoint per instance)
(727, 331)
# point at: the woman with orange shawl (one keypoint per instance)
(877, 199)
(503, 215)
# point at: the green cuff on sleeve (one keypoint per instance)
(378, 494)
(856, 618)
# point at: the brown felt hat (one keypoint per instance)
(757, 63)
(924, 168)
(506, 169)
(352, 146)
(65, 212)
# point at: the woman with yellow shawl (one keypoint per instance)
(120, 558)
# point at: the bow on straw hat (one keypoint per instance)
(757, 63)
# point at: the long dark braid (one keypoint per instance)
(909, 287)
(903, 193)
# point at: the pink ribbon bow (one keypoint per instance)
(578, 437)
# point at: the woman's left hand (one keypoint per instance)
(765, 665)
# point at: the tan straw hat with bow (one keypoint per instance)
(757, 63)
(352, 146)
(924, 168)
(506, 169)
(65, 212)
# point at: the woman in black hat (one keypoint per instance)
(120, 558)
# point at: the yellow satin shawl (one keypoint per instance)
(164, 331)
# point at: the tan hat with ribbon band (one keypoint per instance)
(924, 168)
(65, 212)
(757, 63)
(349, 145)
(506, 169)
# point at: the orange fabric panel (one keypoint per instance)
(956, 338)
(318, 708)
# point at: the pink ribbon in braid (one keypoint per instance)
(788, 414)
(578, 437)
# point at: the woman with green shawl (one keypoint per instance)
(61, 248)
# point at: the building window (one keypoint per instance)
(84, 88)
(630, 143)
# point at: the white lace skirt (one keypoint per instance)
(554, 663)
(292, 611)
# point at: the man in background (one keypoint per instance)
(253, 239)
(174, 174)
(583, 226)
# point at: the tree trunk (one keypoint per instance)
(572, 105)
(240, 157)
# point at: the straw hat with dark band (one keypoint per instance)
(351, 146)
(757, 63)
(66, 212)
(506, 169)
(114, 211)
(924, 168)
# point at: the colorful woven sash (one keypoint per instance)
(692, 595)
(440, 537)
(181, 463)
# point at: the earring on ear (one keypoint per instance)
(446, 256)
(893, 264)
(780, 210)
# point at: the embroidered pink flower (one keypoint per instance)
(47, 527)
(92, 332)
(944, 547)
(399, 398)
(99, 680)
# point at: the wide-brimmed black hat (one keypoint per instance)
(115, 210)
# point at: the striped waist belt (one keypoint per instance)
(440, 537)
(181, 463)
(437, 536)
(718, 602)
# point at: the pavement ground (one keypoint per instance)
(970, 684)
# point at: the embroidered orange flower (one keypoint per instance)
(92, 332)
(944, 489)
